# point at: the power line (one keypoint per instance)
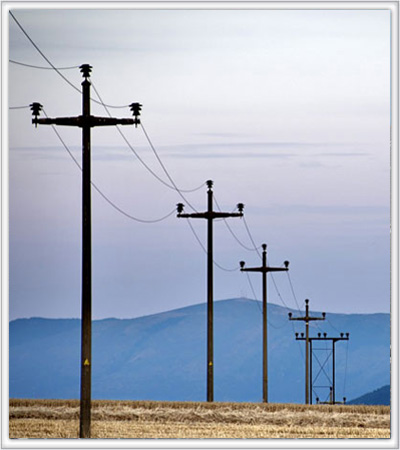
(232, 233)
(139, 158)
(42, 54)
(163, 166)
(18, 107)
(110, 202)
(55, 68)
(251, 237)
(205, 251)
(258, 304)
(41, 67)
(294, 295)
(256, 248)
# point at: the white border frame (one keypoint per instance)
(393, 442)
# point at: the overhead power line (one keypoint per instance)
(41, 67)
(110, 202)
(205, 251)
(232, 233)
(55, 68)
(174, 186)
(163, 166)
(18, 107)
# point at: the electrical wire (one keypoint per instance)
(52, 65)
(42, 54)
(138, 156)
(251, 237)
(129, 216)
(291, 287)
(18, 107)
(41, 67)
(163, 166)
(277, 291)
(259, 307)
(205, 250)
(333, 326)
(257, 249)
(253, 291)
(300, 347)
(231, 231)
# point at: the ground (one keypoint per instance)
(197, 420)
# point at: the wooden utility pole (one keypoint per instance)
(264, 269)
(324, 337)
(85, 121)
(210, 215)
(307, 318)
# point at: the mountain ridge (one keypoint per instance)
(163, 356)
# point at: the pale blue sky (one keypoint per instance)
(287, 111)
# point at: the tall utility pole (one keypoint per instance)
(210, 215)
(324, 337)
(85, 121)
(264, 269)
(307, 319)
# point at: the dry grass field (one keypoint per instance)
(195, 420)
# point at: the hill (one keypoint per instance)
(163, 356)
(380, 396)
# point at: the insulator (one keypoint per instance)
(86, 69)
(135, 108)
(36, 108)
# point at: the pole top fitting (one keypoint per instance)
(209, 184)
(323, 315)
(86, 69)
(264, 247)
(240, 207)
(35, 108)
(307, 301)
(241, 263)
(290, 315)
(179, 207)
(286, 263)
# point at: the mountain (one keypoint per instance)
(380, 396)
(163, 356)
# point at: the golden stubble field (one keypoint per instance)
(197, 420)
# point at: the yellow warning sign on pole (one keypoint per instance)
(86, 363)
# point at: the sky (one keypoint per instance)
(287, 111)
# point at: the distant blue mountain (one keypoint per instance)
(380, 396)
(163, 356)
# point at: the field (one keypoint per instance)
(166, 420)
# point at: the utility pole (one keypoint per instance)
(210, 215)
(307, 318)
(324, 337)
(85, 121)
(264, 269)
